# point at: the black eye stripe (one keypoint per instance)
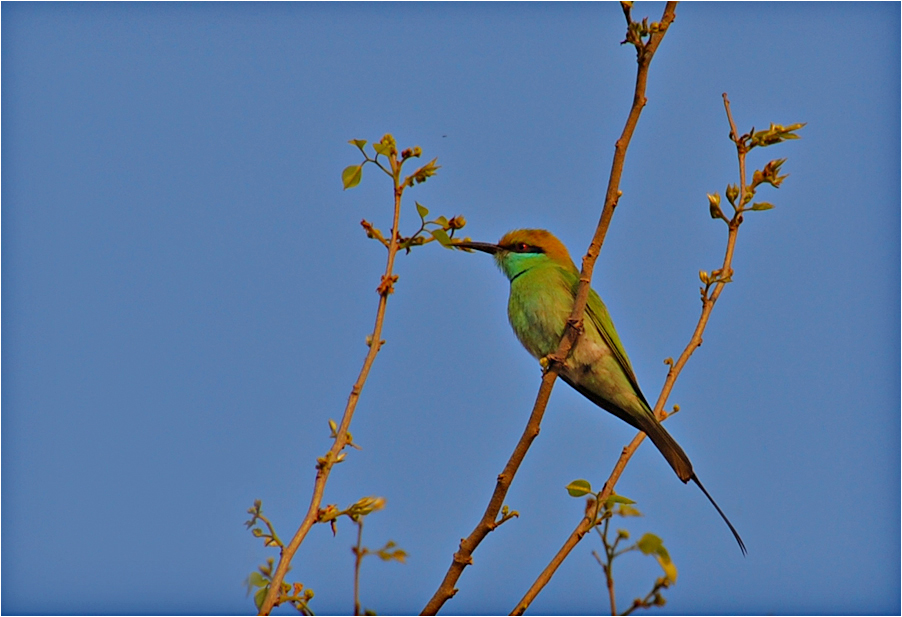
(522, 247)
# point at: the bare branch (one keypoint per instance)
(325, 464)
(709, 298)
(463, 557)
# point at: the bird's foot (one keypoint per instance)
(549, 361)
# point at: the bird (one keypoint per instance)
(543, 284)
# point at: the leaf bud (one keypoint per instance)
(762, 205)
(714, 206)
(329, 513)
(368, 228)
(366, 505)
(457, 222)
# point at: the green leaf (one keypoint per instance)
(579, 488)
(649, 544)
(260, 596)
(670, 570)
(610, 501)
(422, 210)
(626, 510)
(256, 580)
(441, 237)
(360, 143)
(762, 205)
(350, 177)
(383, 149)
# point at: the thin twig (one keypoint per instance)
(708, 302)
(358, 558)
(325, 464)
(608, 568)
(463, 557)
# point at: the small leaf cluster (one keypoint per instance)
(261, 580)
(638, 31)
(581, 488)
(270, 538)
(323, 461)
(714, 277)
(650, 544)
(602, 511)
(357, 510)
(292, 593)
(329, 459)
(388, 148)
(440, 229)
(740, 197)
(506, 515)
(389, 552)
(773, 135)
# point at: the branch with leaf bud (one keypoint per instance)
(646, 38)
(389, 552)
(292, 594)
(648, 544)
(387, 158)
(740, 197)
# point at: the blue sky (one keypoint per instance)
(186, 294)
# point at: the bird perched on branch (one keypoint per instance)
(544, 281)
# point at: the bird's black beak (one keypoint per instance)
(485, 247)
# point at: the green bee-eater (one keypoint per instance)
(543, 282)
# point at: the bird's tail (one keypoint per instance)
(668, 446)
(674, 454)
(722, 515)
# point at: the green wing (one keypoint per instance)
(597, 313)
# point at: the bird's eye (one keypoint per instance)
(523, 247)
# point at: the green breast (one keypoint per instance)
(541, 299)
